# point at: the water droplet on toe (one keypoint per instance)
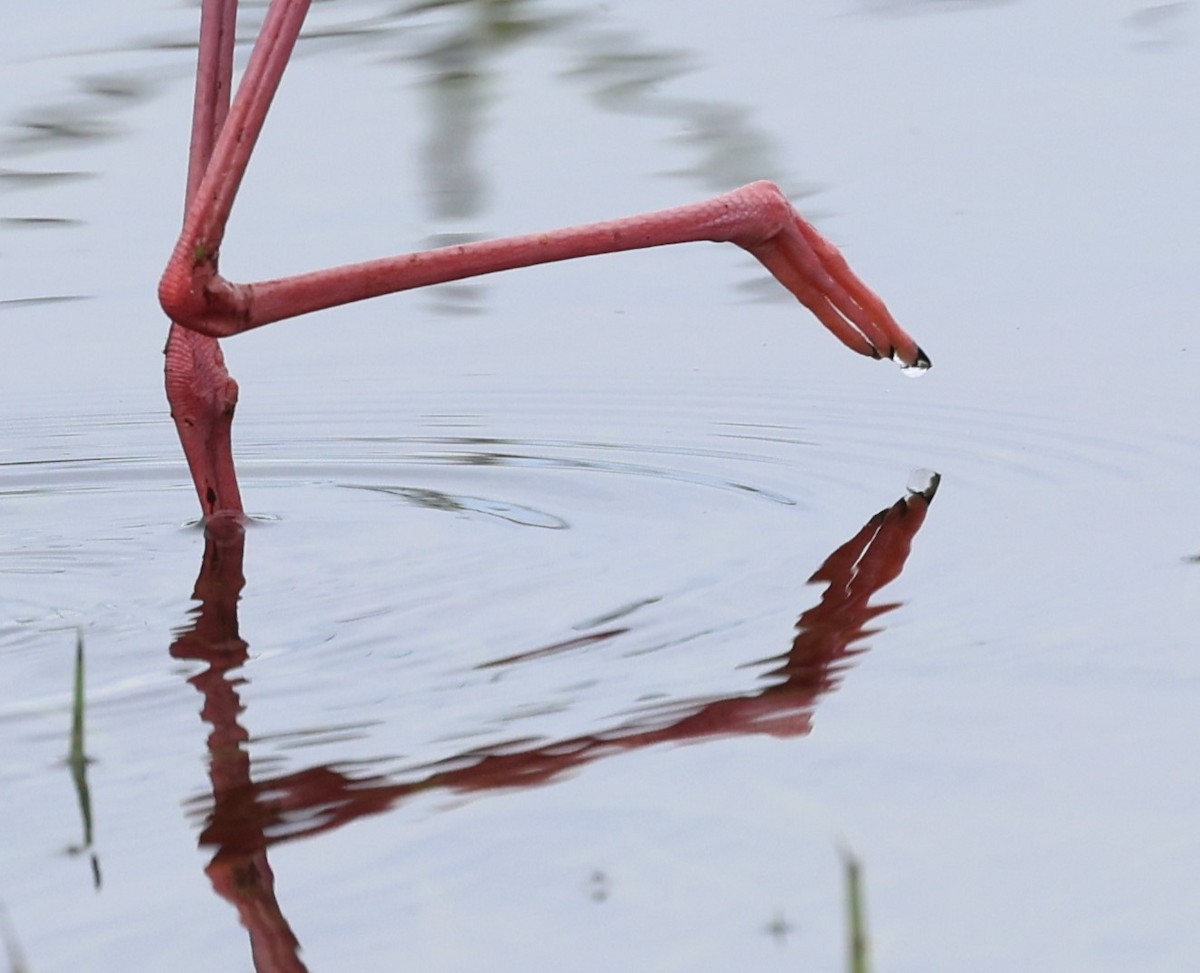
(919, 367)
(924, 482)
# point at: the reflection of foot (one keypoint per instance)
(829, 634)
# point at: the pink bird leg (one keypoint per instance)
(205, 306)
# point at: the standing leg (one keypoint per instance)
(200, 390)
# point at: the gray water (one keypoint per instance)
(512, 682)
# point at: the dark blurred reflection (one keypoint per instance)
(86, 118)
(1158, 25)
(458, 46)
(246, 816)
(459, 66)
(621, 73)
(239, 870)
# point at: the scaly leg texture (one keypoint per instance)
(200, 390)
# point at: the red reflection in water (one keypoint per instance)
(248, 816)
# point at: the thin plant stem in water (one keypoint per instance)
(76, 756)
(858, 946)
(77, 760)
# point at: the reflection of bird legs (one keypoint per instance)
(248, 816)
(205, 306)
(245, 813)
(239, 871)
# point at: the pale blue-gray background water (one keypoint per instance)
(656, 438)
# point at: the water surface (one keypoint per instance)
(570, 629)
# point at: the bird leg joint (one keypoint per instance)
(201, 300)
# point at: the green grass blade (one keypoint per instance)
(76, 756)
(77, 760)
(858, 956)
